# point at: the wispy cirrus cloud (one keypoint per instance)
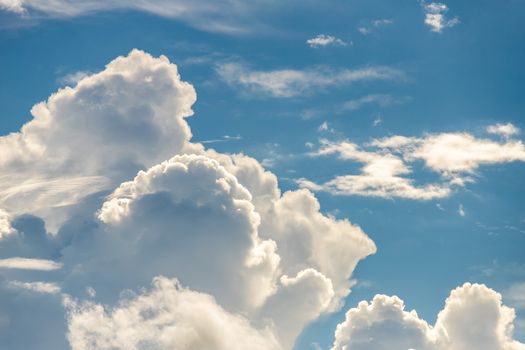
(29, 264)
(284, 83)
(370, 26)
(38, 287)
(323, 40)
(382, 100)
(241, 17)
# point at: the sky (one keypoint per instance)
(262, 174)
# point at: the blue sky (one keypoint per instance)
(379, 71)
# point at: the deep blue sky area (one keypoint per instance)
(462, 79)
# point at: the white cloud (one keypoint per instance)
(377, 99)
(515, 295)
(285, 83)
(29, 264)
(5, 224)
(435, 16)
(213, 221)
(383, 175)
(323, 40)
(38, 287)
(473, 318)
(258, 264)
(381, 22)
(74, 78)
(386, 172)
(455, 153)
(506, 130)
(373, 24)
(15, 6)
(53, 162)
(166, 317)
(461, 210)
(241, 18)
(187, 207)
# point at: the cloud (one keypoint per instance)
(515, 295)
(203, 14)
(15, 6)
(39, 287)
(373, 24)
(285, 83)
(257, 265)
(323, 40)
(456, 153)
(473, 318)
(128, 208)
(29, 264)
(377, 121)
(506, 130)
(5, 224)
(461, 210)
(52, 162)
(386, 172)
(74, 78)
(168, 316)
(225, 138)
(378, 99)
(435, 16)
(383, 175)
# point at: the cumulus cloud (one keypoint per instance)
(15, 6)
(110, 162)
(5, 224)
(133, 111)
(189, 207)
(167, 316)
(257, 265)
(386, 172)
(323, 40)
(283, 83)
(435, 16)
(505, 130)
(473, 318)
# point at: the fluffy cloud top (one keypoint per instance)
(111, 158)
(109, 161)
(473, 318)
(166, 317)
(92, 136)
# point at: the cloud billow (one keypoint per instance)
(144, 239)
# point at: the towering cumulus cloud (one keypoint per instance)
(112, 194)
(118, 232)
